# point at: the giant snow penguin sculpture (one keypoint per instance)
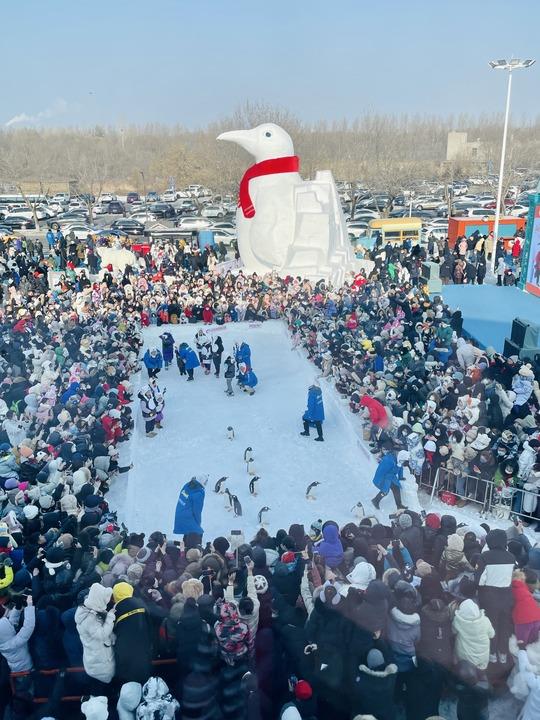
(284, 223)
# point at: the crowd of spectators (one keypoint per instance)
(384, 615)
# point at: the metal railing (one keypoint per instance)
(499, 501)
(76, 684)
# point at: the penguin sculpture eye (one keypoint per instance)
(268, 134)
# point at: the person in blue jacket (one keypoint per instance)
(153, 361)
(314, 415)
(387, 478)
(247, 378)
(188, 515)
(50, 239)
(167, 348)
(189, 358)
(243, 354)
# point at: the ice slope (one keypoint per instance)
(194, 441)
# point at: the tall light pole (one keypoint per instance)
(510, 65)
(144, 191)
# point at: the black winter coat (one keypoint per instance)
(413, 539)
(133, 647)
(373, 692)
(328, 630)
(45, 648)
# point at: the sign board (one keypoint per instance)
(530, 266)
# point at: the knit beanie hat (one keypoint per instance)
(405, 521)
(455, 542)
(134, 573)
(302, 690)
(433, 521)
(68, 503)
(375, 659)
(122, 591)
(30, 512)
(423, 568)
(193, 555)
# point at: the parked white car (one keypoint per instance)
(519, 210)
(426, 202)
(213, 211)
(80, 231)
(480, 212)
(107, 198)
(190, 223)
(170, 196)
(356, 228)
(225, 236)
(143, 217)
(224, 225)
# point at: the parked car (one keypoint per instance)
(80, 230)
(356, 228)
(107, 198)
(225, 236)
(143, 217)
(480, 212)
(61, 197)
(116, 208)
(426, 202)
(170, 196)
(213, 211)
(132, 197)
(152, 196)
(78, 216)
(375, 202)
(460, 188)
(519, 210)
(18, 222)
(224, 225)
(129, 226)
(162, 210)
(190, 222)
(186, 207)
(101, 209)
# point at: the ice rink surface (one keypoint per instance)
(194, 441)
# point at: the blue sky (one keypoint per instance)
(190, 62)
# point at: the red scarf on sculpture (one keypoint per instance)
(291, 163)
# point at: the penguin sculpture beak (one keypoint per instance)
(244, 138)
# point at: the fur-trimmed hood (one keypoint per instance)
(390, 669)
(406, 619)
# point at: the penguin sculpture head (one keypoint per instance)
(264, 142)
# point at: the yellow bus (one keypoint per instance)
(393, 230)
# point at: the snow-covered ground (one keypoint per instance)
(194, 441)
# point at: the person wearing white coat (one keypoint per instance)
(473, 632)
(128, 700)
(95, 627)
(526, 461)
(531, 709)
(465, 353)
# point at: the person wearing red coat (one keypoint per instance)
(377, 412)
(525, 614)
(112, 427)
(207, 315)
